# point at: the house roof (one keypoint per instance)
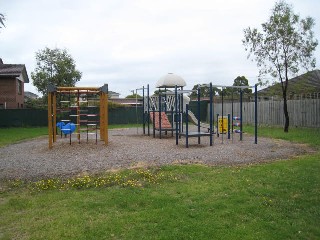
(303, 84)
(13, 70)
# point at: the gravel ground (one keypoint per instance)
(129, 148)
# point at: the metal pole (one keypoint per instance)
(148, 106)
(241, 121)
(187, 127)
(143, 113)
(176, 115)
(256, 113)
(210, 118)
(198, 113)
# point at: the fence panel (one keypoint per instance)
(39, 117)
(302, 112)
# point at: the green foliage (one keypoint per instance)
(204, 91)
(114, 105)
(134, 96)
(242, 81)
(38, 103)
(285, 44)
(55, 66)
(2, 19)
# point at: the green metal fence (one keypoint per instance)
(39, 117)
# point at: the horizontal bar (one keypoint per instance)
(223, 86)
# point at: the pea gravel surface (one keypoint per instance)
(129, 148)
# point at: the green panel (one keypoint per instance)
(193, 106)
(23, 117)
(125, 115)
(39, 117)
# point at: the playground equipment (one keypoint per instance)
(68, 128)
(239, 119)
(192, 118)
(79, 105)
(168, 111)
(187, 134)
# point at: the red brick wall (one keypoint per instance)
(9, 93)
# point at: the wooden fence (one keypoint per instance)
(302, 112)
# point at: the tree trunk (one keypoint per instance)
(285, 111)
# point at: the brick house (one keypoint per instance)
(12, 80)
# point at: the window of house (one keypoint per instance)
(19, 87)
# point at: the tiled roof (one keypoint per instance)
(14, 70)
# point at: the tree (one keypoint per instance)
(204, 91)
(2, 19)
(54, 66)
(242, 81)
(285, 44)
(134, 96)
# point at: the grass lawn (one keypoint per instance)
(278, 200)
(12, 135)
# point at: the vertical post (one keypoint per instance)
(198, 113)
(50, 118)
(78, 117)
(241, 117)
(222, 112)
(187, 127)
(102, 117)
(181, 110)
(54, 113)
(232, 114)
(210, 112)
(159, 112)
(176, 119)
(256, 113)
(148, 110)
(104, 113)
(154, 122)
(143, 113)
(228, 125)
(106, 116)
(218, 127)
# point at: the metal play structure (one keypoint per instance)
(168, 110)
(77, 110)
(236, 121)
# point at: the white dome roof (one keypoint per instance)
(171, 80)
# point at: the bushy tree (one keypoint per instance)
(134, 96)
(242, 81)
(284, 45)
(204, 91)
(55, 66)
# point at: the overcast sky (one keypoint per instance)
(131, 43)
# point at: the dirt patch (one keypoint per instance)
(129, 148)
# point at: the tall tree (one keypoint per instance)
(54, 66)
(204, 91)
(242, 81)
(285, 44)
(2, 19)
